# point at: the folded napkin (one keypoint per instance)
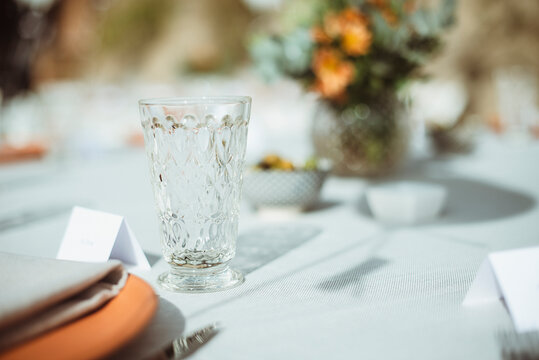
(39, 294)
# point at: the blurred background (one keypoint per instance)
(72, 71)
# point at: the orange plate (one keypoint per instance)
(97, 334)
(30, 151)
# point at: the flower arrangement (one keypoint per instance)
(351, 51)
(356, 55)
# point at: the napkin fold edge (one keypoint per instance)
(63, 307)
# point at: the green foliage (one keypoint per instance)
(397, 51)
(284, 55)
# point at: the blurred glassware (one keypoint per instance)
(438, 102)
(517, 102)
(62, 108)
(22, 129)
(440, 105)
(86, 120)
(368, 139)
(22, 121)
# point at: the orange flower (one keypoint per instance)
(353, 16)
(387, 13)
(352, 27)
(356, 40)
(319, 35)
(333, 74)
(332, 25)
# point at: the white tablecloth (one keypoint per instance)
(328, 283)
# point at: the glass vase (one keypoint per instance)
(367, 139)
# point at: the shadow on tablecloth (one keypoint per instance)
(260, 246)
(353, 277)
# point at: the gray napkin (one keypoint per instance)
(38, 294)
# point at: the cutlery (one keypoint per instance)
(185, 346)
(515, 346)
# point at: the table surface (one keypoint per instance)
(332, 282)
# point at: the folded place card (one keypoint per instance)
(514, 276)
(96, 236)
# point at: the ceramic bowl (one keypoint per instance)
(406, 202)
(278, 188)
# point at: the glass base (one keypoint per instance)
(216, 278)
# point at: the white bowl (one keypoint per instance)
(406, 202)
(278, 188)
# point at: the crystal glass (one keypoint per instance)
(196, 154)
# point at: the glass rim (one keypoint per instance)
(195, 100)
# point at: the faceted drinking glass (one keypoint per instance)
(196, 153)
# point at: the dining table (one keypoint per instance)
(328, 282)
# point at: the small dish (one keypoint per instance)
(281, 188)
(406, 202)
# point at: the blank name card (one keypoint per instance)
(514, 276)
(96, 236)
